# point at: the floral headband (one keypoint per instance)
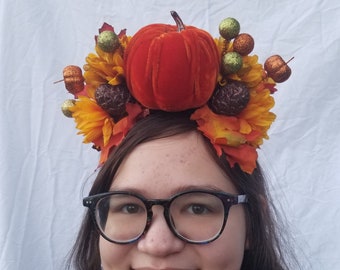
(176, 68)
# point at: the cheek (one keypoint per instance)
(236, 227)
(227, 251)
(114, 256)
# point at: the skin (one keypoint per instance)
(159, 169)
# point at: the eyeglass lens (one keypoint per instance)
(197, 216)
(121, 217)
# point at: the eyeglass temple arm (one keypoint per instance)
(242, 199)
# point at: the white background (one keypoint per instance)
(45, 170)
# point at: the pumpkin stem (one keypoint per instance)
(289, 60)
(178, 20)
(58, 81)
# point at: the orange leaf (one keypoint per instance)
(244, 155)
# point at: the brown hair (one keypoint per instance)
(265, 250)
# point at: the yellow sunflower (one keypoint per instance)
(256, 118)
(93, 122)
(103, 67)
(251, 73)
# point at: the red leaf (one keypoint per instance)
(106, 27)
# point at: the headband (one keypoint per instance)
(176, 68)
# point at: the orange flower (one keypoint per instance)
(244, 155)
(239, 136)
(98, 127)
(121, 128)
(220, 129)
(226, 135)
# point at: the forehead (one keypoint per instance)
(163, 166)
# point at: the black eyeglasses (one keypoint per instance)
(195, 216)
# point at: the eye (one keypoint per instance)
(198, 209)
(132, 209)
(124, 204)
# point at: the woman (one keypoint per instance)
(161, 155)
(179, 187)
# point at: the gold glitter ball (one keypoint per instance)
(108, 41)
(65, 107)
(229, 28)
(231, 63)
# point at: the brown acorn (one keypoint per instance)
(113, 98)
(230, 99)
(277, 68)
(243, 44)
(73, 79)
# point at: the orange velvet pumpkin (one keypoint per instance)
(171, 68)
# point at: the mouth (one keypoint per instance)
(151, 268)
(163, 266)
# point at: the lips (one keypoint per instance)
(151, 268)
(162, 266)
(167, 268)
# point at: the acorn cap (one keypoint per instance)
(230, 99)
(113, 98)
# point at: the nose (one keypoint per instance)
(159, 241)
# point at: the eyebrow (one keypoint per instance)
(173, 191)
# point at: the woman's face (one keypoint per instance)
(157, 170)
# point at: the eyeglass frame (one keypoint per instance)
(227, 199)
